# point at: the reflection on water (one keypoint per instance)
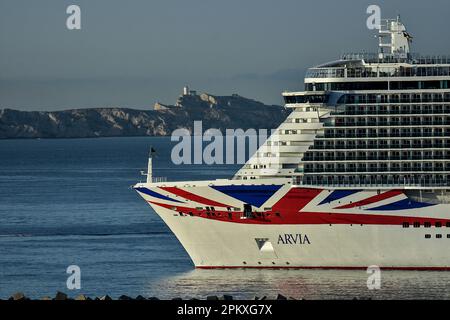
(306, 284)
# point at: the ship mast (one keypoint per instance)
(149, 172)
(394, 40)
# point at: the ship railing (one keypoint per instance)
(371, 57)
(159, 179)
(427, 185)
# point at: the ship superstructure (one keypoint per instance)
(378, 120)
(357, 175)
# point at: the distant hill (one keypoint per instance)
(220, 112)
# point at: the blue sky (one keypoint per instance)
(133, 53)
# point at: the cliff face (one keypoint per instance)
(215, 112)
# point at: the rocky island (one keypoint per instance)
(219, 112)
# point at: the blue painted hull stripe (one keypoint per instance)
(404, 204)
(156, 195)
(254, 195)
(338, 194)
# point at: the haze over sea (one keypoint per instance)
(66, 202)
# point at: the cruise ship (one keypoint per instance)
(357, 175)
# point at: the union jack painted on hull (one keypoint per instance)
(291, 226)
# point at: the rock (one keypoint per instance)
(256, 298)
(60, 296)
(290, 298)
(177, 299)
(227, 297)
(263, 298)
(139, 297)
(46, 298)
(124, 297)
(212, 298)
(81, 297)
(18, 296)
(281, 297)
(153, 298)
(104, 298)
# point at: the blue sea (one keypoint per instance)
(69, 202)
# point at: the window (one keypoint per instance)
(427, 236)
(427, 225)
(416, 224)
(438, 236)
(405, 224)
(438, 224)
(447, 224)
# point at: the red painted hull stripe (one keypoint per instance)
(311, 218)
(326, 268)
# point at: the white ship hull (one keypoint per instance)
(355, 236)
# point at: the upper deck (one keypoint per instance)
(369, 66)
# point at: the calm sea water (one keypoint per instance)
(65, 202)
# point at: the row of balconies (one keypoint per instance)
(348, 134)
(377, 180)
(332, 162)
(395, 99)
(379, 123)
(408, 111)
(375, 170)
(380, 163)
(375, 158)
(385, 178)
(395, 144)
(352, 99)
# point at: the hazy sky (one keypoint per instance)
(133, 53)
